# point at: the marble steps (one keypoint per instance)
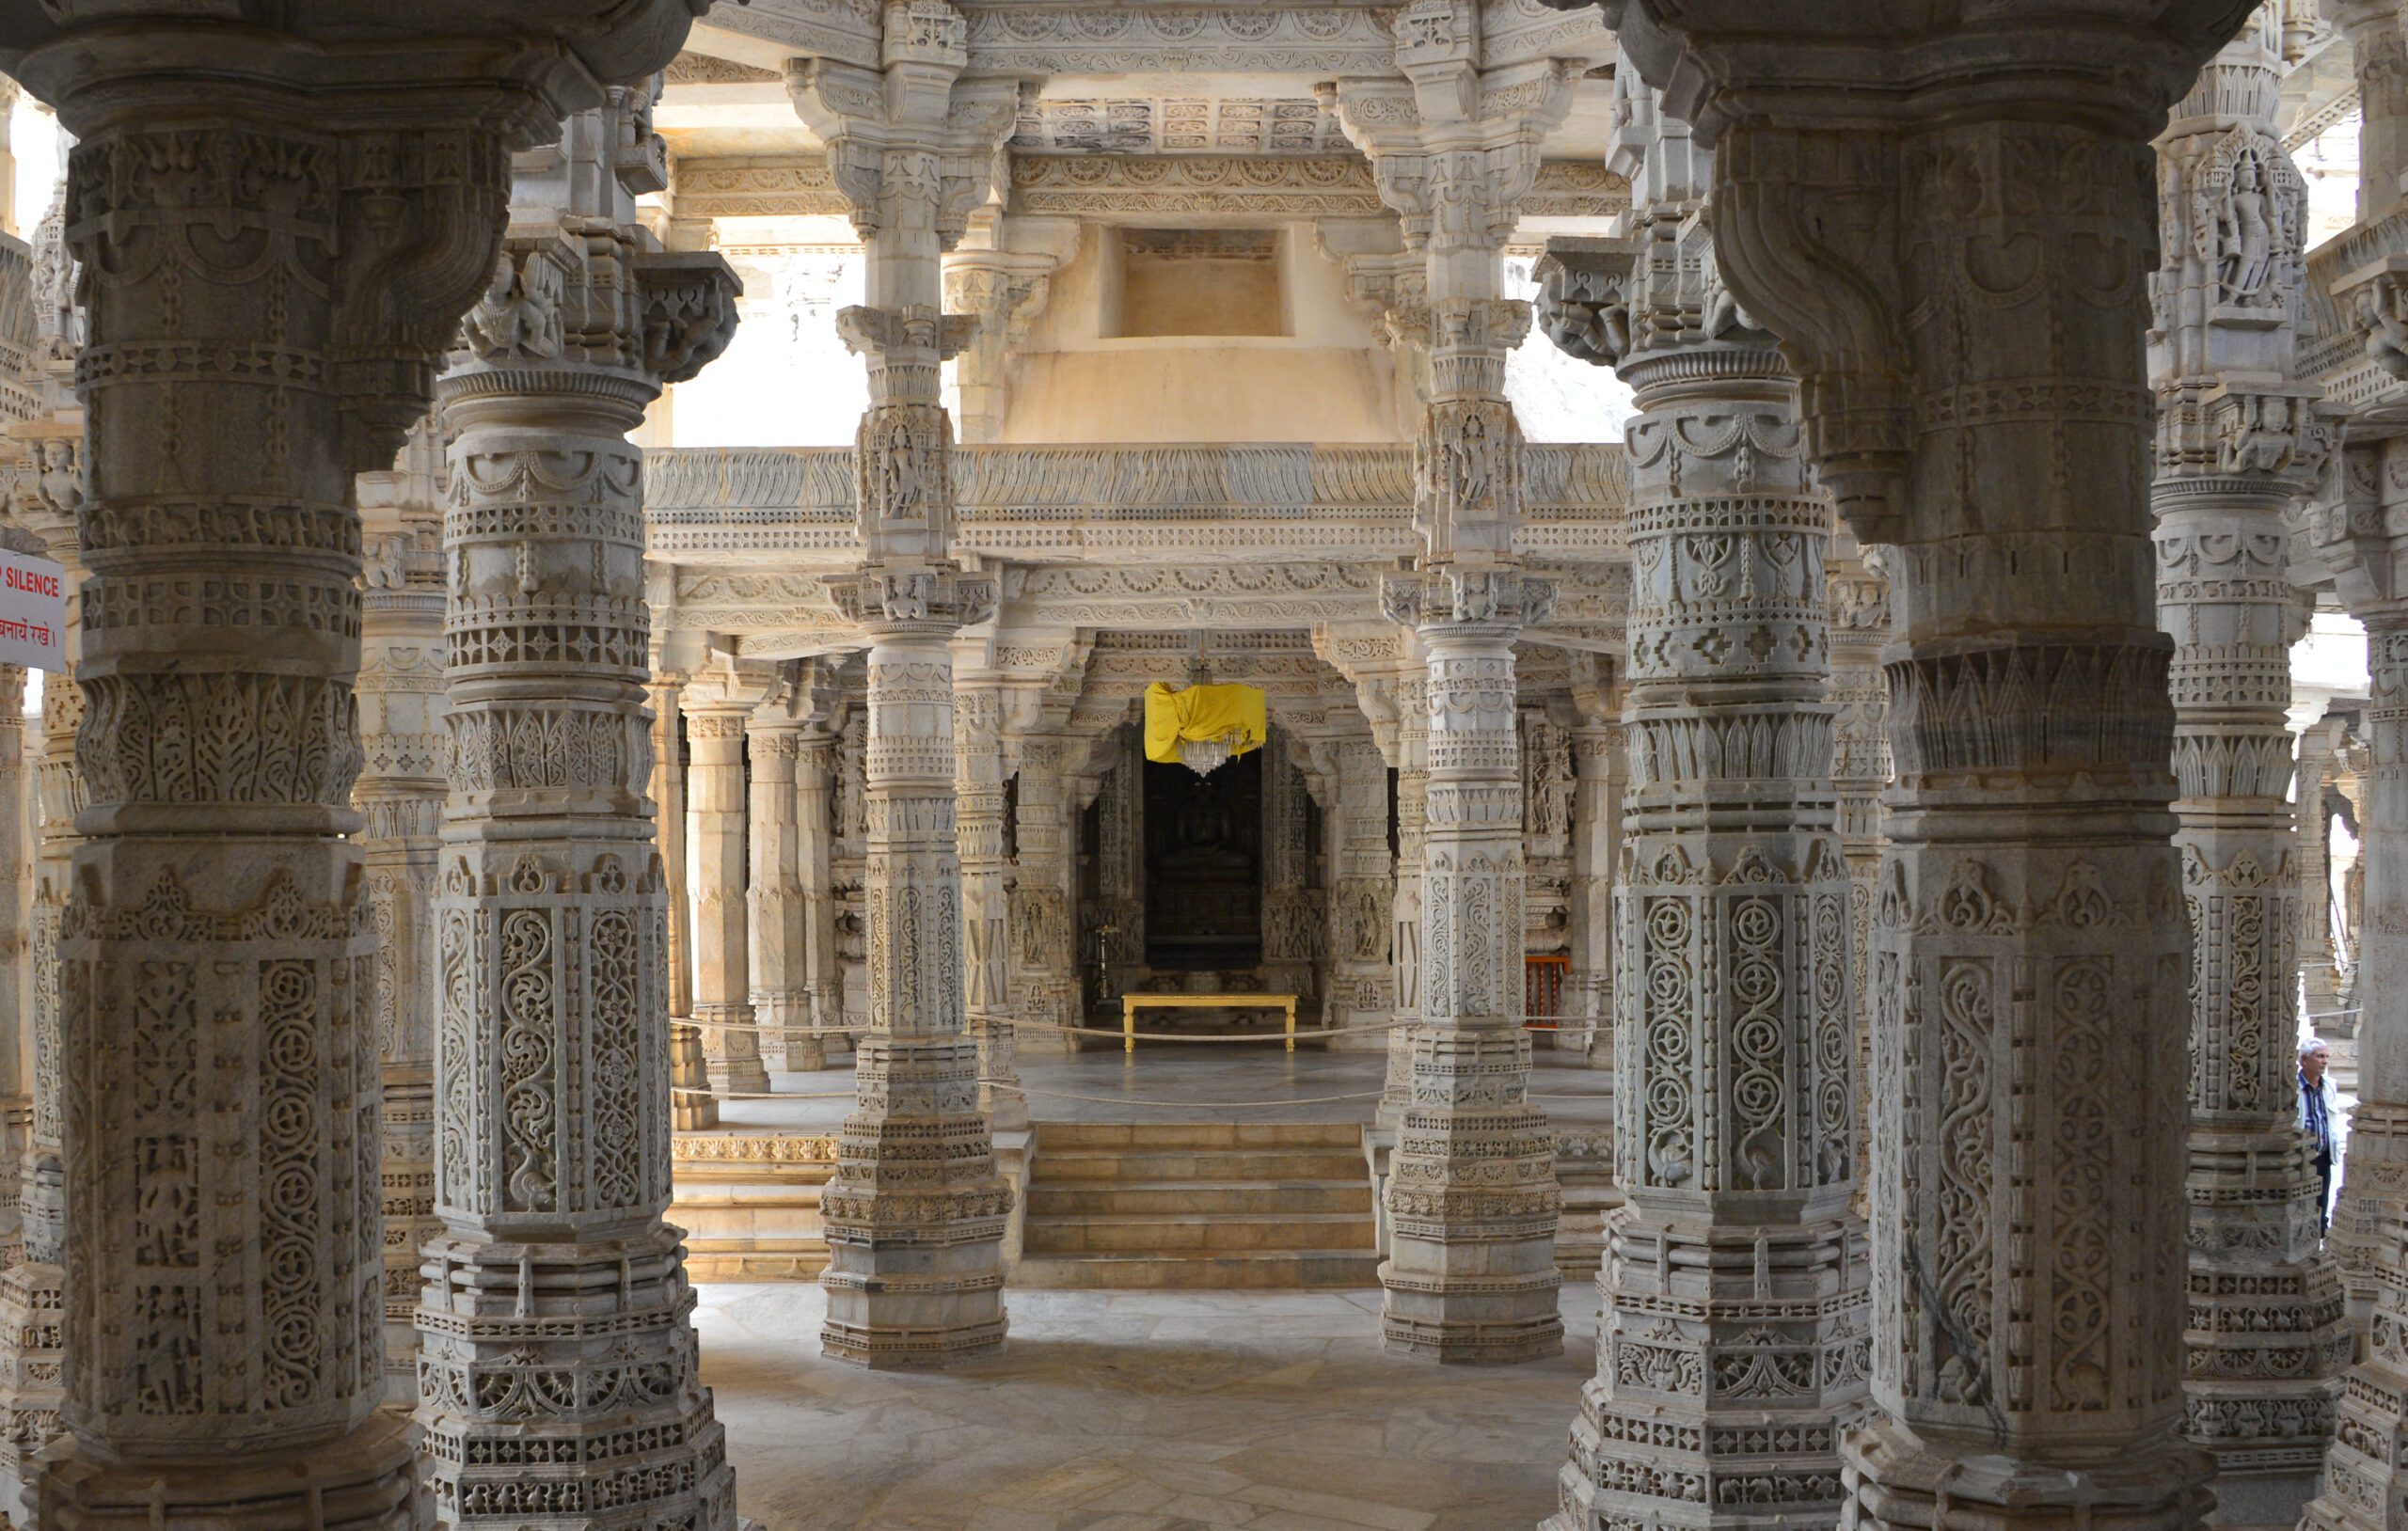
(752, 1218)
(1190, 1198)
(1168, 1206)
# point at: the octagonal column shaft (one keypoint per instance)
(915, 1211)
(715, 830)
(1471, 1198)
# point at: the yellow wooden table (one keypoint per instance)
(1129, 1003)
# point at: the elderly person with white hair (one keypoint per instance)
(2320, 1116)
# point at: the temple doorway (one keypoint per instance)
(1203, 858)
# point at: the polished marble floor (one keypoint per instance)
(1140, 1411)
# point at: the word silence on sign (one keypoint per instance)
(33, 611)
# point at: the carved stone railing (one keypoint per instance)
(1120, 504)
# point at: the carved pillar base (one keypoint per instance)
(915, 1212)
(33, 1318)
(691, 1105)
(737, 1068)
(1472, 1206)
(1396, 1089)
(806, 1051)
(1896, 1480)
(999, 1093)
(522, 1344)
(366, 1481)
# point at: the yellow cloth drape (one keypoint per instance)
(1203, 712)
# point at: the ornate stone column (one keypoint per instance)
(1600, 772)
(18, 852)
(1955, 269)
(1291, 911)
(1045, 982)
(1734, 1280)
(1404, 948)
(691, 1105)
(2319, 745)
(716, 709)
(558, 1375)
(815, 774)
(777, 940)
(2378, 56)
(916, 1212)
(2236, 443)
(1471, 1198)
(276, 250)
(1361, 981)
(1472, 1201)
(985, 902)
(46, 500)
(399, 794)
(1860, 697)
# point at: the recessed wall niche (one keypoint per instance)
(1199, 281)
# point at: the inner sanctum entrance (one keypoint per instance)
(1203, 850)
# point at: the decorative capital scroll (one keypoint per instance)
(916, 599)
(911, 334)
(1465, 597)
(1585, 298)
(688, 315)
(912, 147)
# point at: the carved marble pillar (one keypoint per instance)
(986, 907)
(1292, 907)
(1958, 275)
(48, 501)
(1600, 774)
(9, 94)
(691, 1105)
(2320, 988)
(1471, 1198)
(776, 939)
(916, 1212)
(275, 256)
(1860, 699)
(1363, 893)
(1045, 981)
(1736, 1329)
(18, 855)
(2237, 445)
(1404, 948)
(1120, 872)
(716, 710)
(2364, 1471)
(2379, 58)
(399, 794)
(815, 775)
(557, 1377)
(1003, 290)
